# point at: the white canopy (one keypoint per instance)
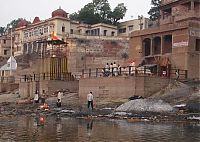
(7, 66)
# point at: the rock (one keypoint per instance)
(146, 105)
(193, 106)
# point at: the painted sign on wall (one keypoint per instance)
(195, 32)
(180, 44)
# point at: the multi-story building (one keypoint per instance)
(5, 45)
(28, 36)
(125, 28)
(175, 43)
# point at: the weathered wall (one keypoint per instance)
(153, 84)
(94, 53)
(5, 87)
(119, 87)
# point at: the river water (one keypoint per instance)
(61, 129)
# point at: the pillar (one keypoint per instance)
(151, 52)
(192, 5)
(162, 46)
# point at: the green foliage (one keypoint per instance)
(14, 23)
(118, 13)
(87, 14)
(102, 8)
(99, 11)
(154, 12)
(74, 16)
(2, 30)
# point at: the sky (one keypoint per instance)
(29, 9)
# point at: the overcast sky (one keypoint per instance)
(28, 9)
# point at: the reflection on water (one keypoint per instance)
(50, 129)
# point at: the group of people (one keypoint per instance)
(59, 98)
(111, 70)
(43, 97)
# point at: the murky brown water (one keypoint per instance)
(52, 129)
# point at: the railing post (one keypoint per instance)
(43, 76)
(96, 72)
(89, 72)
(120, 70)
(129, 70)
(82, 73)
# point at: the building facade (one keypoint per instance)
(175, 44)
(125, 28)
(29, 35)
(5, 45)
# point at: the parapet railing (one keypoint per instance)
(64, 76)
(98, 72)
(133, 71)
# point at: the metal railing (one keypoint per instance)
(133, 71)
(98, 72)
(64, 76)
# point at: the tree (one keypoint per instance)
(14, 23)
(118, 13)
(74, 16)
(87, 15)
(102, 8)
(99, 11)
(154, 12)
(2, 30)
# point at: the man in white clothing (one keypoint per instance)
(36, 98)
(90, 100)
(59, 98)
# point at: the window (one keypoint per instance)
(122, 30)
(25, 34)
(41, 31)
(4, 41)
(5, 52)
(112, 33)
(197, 44)
(71, 31)
(104, 32)
(30, 34)
(130, 28)
(45, 29)
(63, 28)
(35, 32)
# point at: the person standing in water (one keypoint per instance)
(36, 97)
(90, 100)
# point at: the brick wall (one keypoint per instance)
(119, 87)
(5, 87)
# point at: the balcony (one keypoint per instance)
(187, 15)
(166, 20)
(164, 2)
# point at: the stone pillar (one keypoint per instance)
(27, 47)
(161, 44)
(151, 52)
(32, 47)
(192, 5)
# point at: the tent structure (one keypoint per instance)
(10, 65)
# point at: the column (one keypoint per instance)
(161, 44)
(192, 5)
(151, 52)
